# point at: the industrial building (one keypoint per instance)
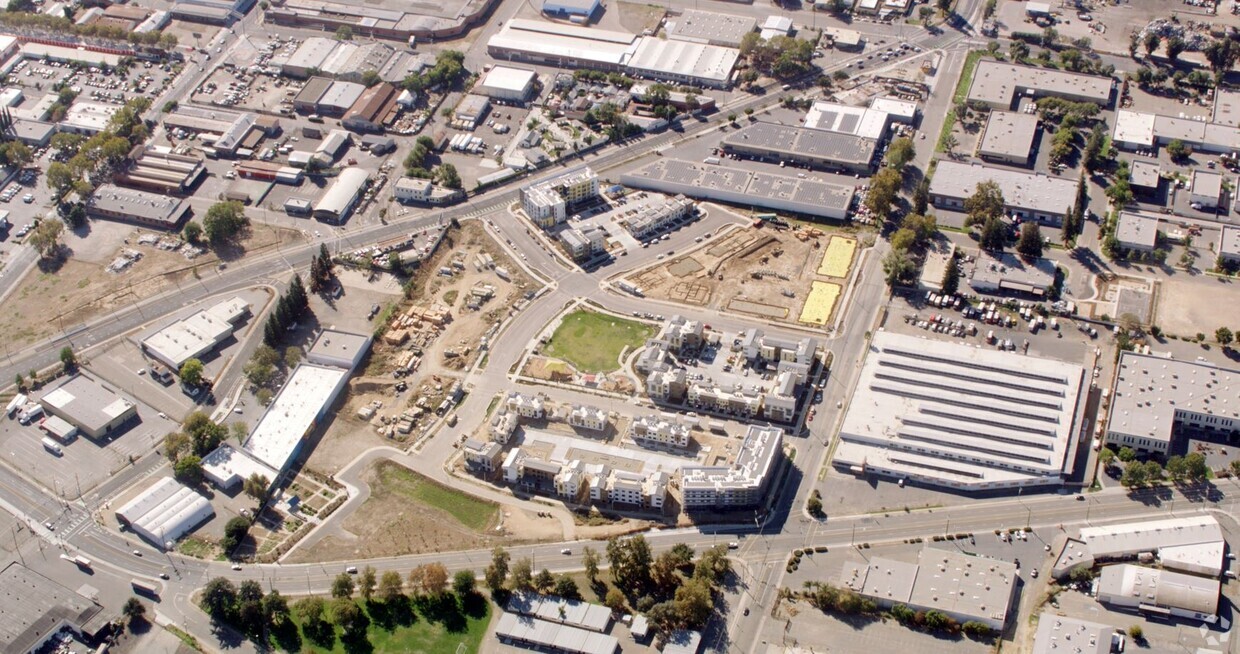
(810, 196)
(957, 416)
(416, 189)
(87, 404)
(1138, 130)
(374, 110)
(226, 467)
(547, 203)
(339, 349)
(844, 39)
(342, 196)
(35, 609)
(525, 631)
(162, 171)
(571, 9)
(711, 28)
(87, 118)
(1060, 634)
(1205, 190)
(507, 83)
(963, 587)
(683, 62)
(110, 202)
(1030, 196)
(1193, 545)
(1228, 249)
(384, 20)
(1005, 272)
(269, 171)
(1156, 399)
(471, 111)
(1009, 137)
(197, 334)
(775, 26)
(1136, 232)
(742, 484)
(999, 85)
(1159, 592)
(304, 400)
(165, 512)
(1145, 177)
(819, 149)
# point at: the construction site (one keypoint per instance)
(770, 269)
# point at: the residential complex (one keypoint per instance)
(742, 484)
(548, 203)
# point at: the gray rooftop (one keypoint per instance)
(1136, 230)
(1009, 134)
(341, 95)
(809, 196)
(88, 403)
(996, 82)
(1145, 174)
(31, 605)
(708, 26)
(1021, 190)
(339, 345)
(1229, 242)
(1227, 107)
(1207, 184)
(943, 580)
(753, 463)
(786, 139)
(1151, 390)
(1008, 271)
(140, 204)
(1160, 588)
(1060, 634)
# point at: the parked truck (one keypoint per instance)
(629, 287)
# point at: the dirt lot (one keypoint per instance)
(773, 268)
(636, 17)
(81, 287)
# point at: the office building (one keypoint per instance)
(742, 484)
(1136, 232)
(110, 202)
(999, 85)
(1009, 137)
(97, 410)
(196, 334)
(816, 148)
(1145, 177)
(226, 467)
(165, 512)
(1159, 592)
(1030, 196)
(1157, 399)
(88, 118)
(1007, 273)
(952, 415)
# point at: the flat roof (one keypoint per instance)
(86, 402)
(869, 122)
(1021, 190)
(227, 463)
(1145, 174)
(1134, 229)
(1160, 588)
(312, 53)
(707, 26)
(197, 333)
(336, 344)
(150, 207)
(1206, 183)
(1226, 107)
(90, 115)
(943, 580)
(341, 95)
(32, 605)
(293, 413)
(1229, 241)
(508, 78)
(996, 82)
(1006, 270)
(758, 452)
(1060, 634)
(959, 415)
(313, 90)
(1150, 391)
(697, 61)
(1009, 133)
(1134, 127)
(792, 140)
(1150, 535)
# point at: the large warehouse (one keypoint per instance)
(1009, 137)
(341, 197)
(816, 148)
(34, 610)
(811, 196)
(1030, 196)
(710, 28)
(1159, 592)
(165, 512)
(683, 62)
(88, 405)
(1194, 545)
(1156, 399)
(294, 413)
(945, 414)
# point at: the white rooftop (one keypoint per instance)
(697, 61)
(1009, 133)
(1061, 634)
(165, 510)
(196, 334)
(1021, 190)
(996, 82)
(508, 78)
(229, 466)
(1134, 127)
(1151, 390)
(1161, 588)
(293, 413)
(1134, 229)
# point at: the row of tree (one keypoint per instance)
(292, 305)
(322, 270)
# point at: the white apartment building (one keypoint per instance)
(663, 430)
(741, 484)
(525, 406)
(547, 203)
(503, 425)
(588, 417)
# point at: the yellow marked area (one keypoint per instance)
(838, 257)
(820, 303)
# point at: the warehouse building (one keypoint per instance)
(1194, 545)
(815, 148)
(88, 118)
(570, 9)
(112, 202)
(338, 98)
(471, 111)
(683, 62)
(566, 46)
(1159, 592)
(1145, 178)
(1009, 137)
(965, 588)
(165, 512)
(956, 416)
(775, 26)
(375, 109)
(1138, 130)
(309, 56)
(35, 609)
(1007, 273)
(810, 196)
(1030, 196)
(197, 334)
(95, 409)
(305, 399)
(1136, 232)
(1157, 399)
(1205, 190)
(870, 122)
(744, 483)
(162, 171)
(843, 39)
(1060, 634)
(268, 171)
(1229, 245)
(999, 85)
(507, 83)
(226, 467)
(339, 349)
(342, 196)
(368, 57)
(710, 28)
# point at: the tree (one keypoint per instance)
(188, 470)
(713, 565)
(1127, 454)
(1195, 466)
(630, 562)
(1224, 336)
(921, 196)
(349, 617)
(589, 560)
(497, 573)
(693, 603)
(903, 239)
(944, 6)
(1176, 468)
(219, 597)
(1030, 243)
(950, 143)
(681, 554)
(1175, 46)
(134, 610)
(192, 232)
(366, 583)
(342, 586)
(429, 579)
(663, 573)
(1234, 466)
(614, 600)
(344, 33)
(986, 202)
(994, 235)
(1106, 456)
(898, 267)
(1134, 475)
(1152, 41)
(67, 358)
(371, 77)
(256, 485)
(191, 372)
(45, 239)
(1136, 632)
(447, 175)
(391, 586)
(522, 574)
(275, 608)
(901, 152)
(1018, 50)
(567, 588)
(814, 506)
(883, 189)
(1178, 151)
(235, 531)
(464, 583)
(544, 581)
(292, 356)
(225, 222)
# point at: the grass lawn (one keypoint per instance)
(473, 513)
(966, 75)
(416, 627)
(592, 342)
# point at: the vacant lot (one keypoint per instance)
(592, 342)
(408, 514)
(820, 303)
(838, 258)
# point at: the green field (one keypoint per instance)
(592, 342)
(966, 75)
(471, 512)
(418, 627)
